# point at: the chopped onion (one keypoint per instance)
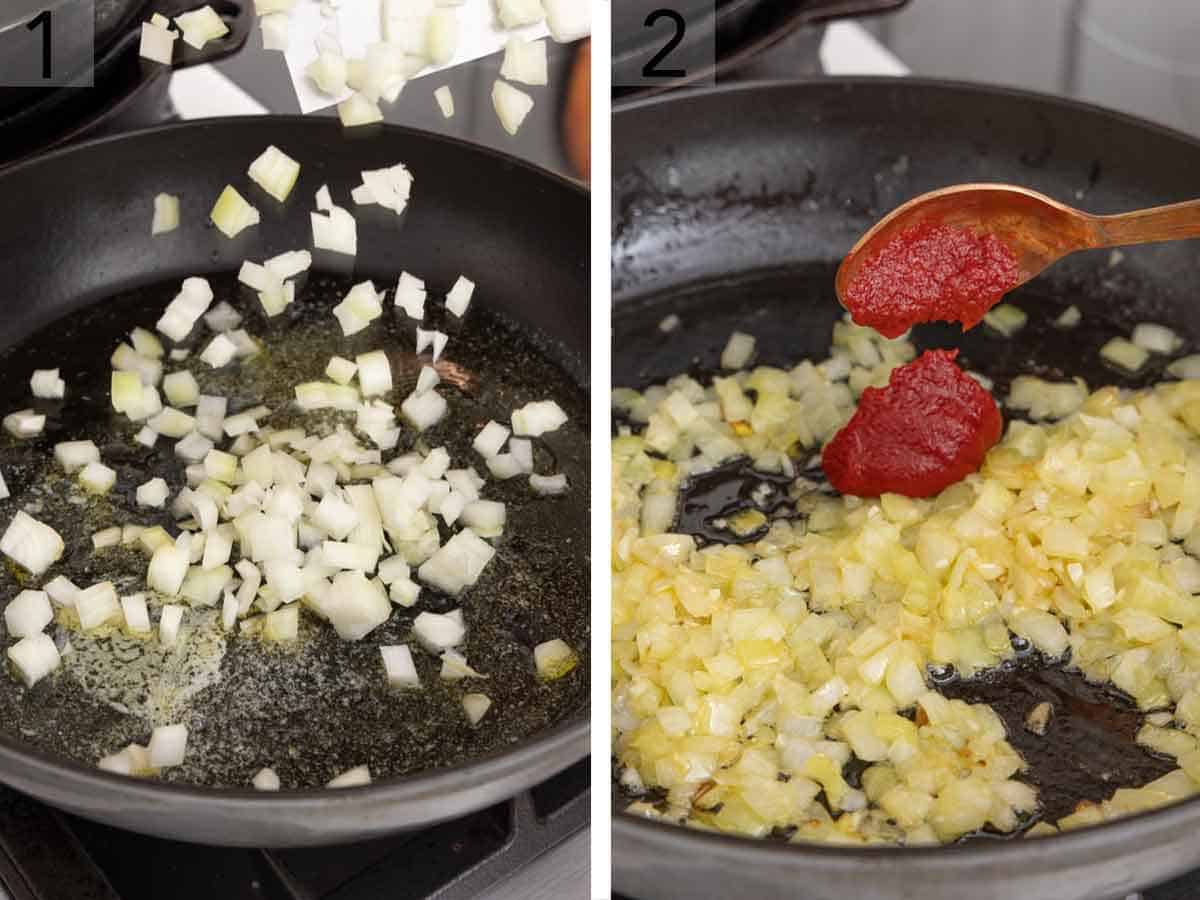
(74, 455)
(458, 563)
(147, 436)
(173, 423)
(46, 384)
(554, 659)
(425, 410)
(548, 485)
(271, 7)
(486, 517)
(275, 31)
(538, 418)
(491, 439)
(4, 492)
(282, 624)
(28, 613)
(1156, 338)
(31, 544)
(1124, 354)
(97, 478)
(265, 780)
(137, 616)
(438, 632)
(320, 395)
(168, 745)
(568, 20)
(445, 101)
(359, 605)
(511, 105)
(181, 389)
(524, 61)
(441, 36)
(169, 623)
(107, 537)
(476, 707)
(193, 448)
(460, 296)
(410, 296)
(335, 230)
(1068, 318)
(738, 351)
(168, 568)
(1006, 319)
(189, 305)
(390, 187)
(356, 777)
(201, 26)
(231, 213)
(515, 13)
(455, 667)
(328, 72)
(62, 591)
(356, 110)
(166, 212)
(439, 344)
(219, 352)
(504, 466)
(222, 317)
(157, 43)
(1186, 368)
(374, 373)
(24, 424)
(399, 666)
(343, 555)
(97, 605)
(34, 657)
(341, 370)
(153, 493)
(275, 172)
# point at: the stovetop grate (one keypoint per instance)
(47, 855)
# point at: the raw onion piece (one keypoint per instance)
(360, 307)
(74, 455)
(538, 418)
(201, 26)
(341, 370)
(157, 43)
(283, 624)
(356, 777)
(344, 555)
(167, 570)
(455, 667)
(357, 110)
(1006, 319)
(189, 305)
(410, 295)
(232, 213)
(289, 264)
(335, 230)
(219, 352)
(24, 423)
(458, 563)
(554, 659)
(265, 779)
(173, 423)
(524, 61)
(275, 31)
(169, 623)
(28, 613)
(106, 537)
(486, 517)
(437, 632)
(1186, 368)
(271, 7)
(275, 172)
(1124, 354)
(568, 20)
(358, 606)
(374, 373)
(31, 544)
(193, 448)
(168, 746)
(548, 485)
(427, 380)
(738, 351)
(328, 72)
(491, 439)
(425, 410)
(46, 384)
(460, 296)
(34, 657)
(97, 478)
(181, 389)
(146, 343)
(1068, 318)
(441, 36)
(1156, 338)
(62, 591)
(166, 213)
(511, 105)
(515, 13)
(390, 187)
(137, 616)
(399, 666)
(222, 317)
(97, 605)
(445, 101)
(4, 492)
(476, 707)
(320, 395)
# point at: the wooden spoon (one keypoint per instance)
(1039, 230)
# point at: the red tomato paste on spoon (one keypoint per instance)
(929, 428)
(931, 272)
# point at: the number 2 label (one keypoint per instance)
(651, 69)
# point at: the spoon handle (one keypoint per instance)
(1158, 223)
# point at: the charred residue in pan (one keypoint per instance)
(323, 705)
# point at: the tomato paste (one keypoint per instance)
(930, 427)
(931, 272)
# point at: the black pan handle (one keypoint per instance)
(826, 10)
(238, 15)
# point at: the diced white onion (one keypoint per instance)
(201, 26)
(166, 213)
(399, 666)
(275, 172)
(524, 61)
(62, 591)
(458, 563)
(739, 350)
(168, 745)
(24, 423)
(46, 384)
(554, 659)
(153, 493)
(410, 296)
(1186, 368)
(232, 213)
(515, 13)
(219, 352)
(460, 296)
(157, 43)
(1006, 319)
(106, 537)
(357, 110)
(445, 101)
(374, 373)
(568, 20)
(437, 632)
(28, 613)
(538, 418)
(511, 105)
(97, 478)
(1156, 338)
(425, 410)
(34, 657)
(476, 707)
(169, 623)
(356, 777)
(275, 31)
(137, 616)
(74, 455)
(31, 544)
(1068, 318)
(97, 605)
(548, 485)
(1124, 354)
(265, 780)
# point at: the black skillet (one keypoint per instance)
(80, 268)
(732, 208)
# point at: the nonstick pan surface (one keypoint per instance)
(732, 208)
(82, 270)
